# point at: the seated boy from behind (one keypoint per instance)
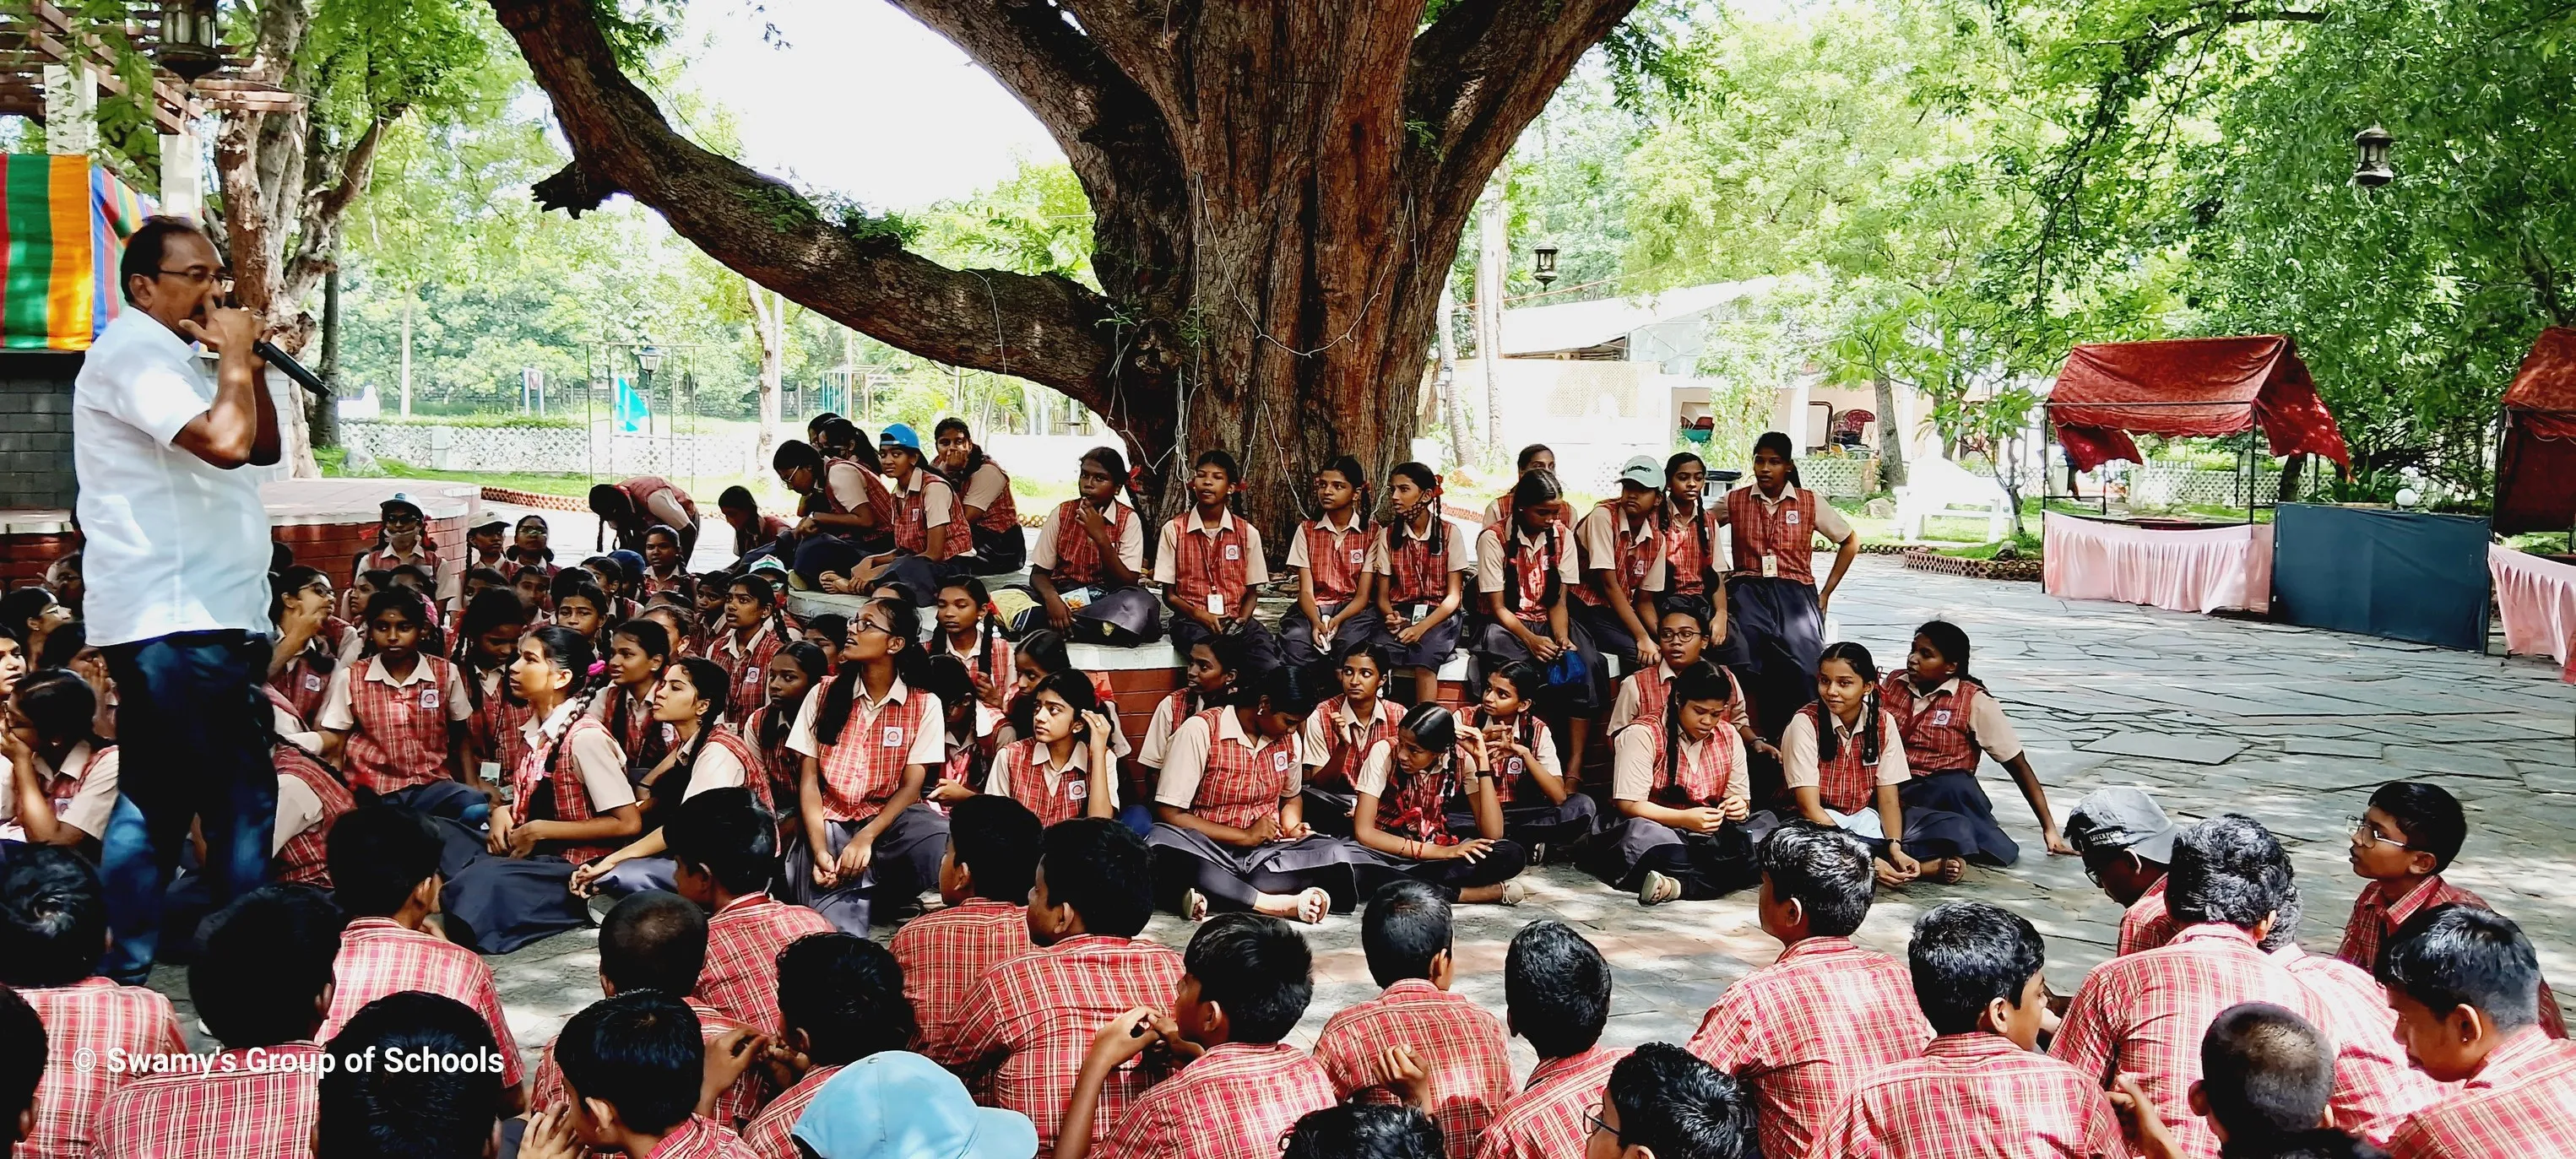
(1664, 1103)
(841, 997)
(2411, 832)
(1556, 992)
(2466, 987)
(1364, 1131)
(657, 941)
(632, 1066)
(372, 1111)
(1406, 935)
(53, 927)
(384, 874)
(2266, 1077)
(1805, 1029)
(1027, 1023)
(1980, 1085)
(260, 984)
(724, 850)
(984, 877)
(1240, 1089)
(2127, 843)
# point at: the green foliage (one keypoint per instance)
(1036, 221)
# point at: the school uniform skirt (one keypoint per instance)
(1706, 864)
(906, 862)
(453, 799)
(636, 875)
(1610, 637)
(1775, 633)
(997, 552)
(1544, 827)
(1297, 633)
(496, 904)
(1372, 870)
(1495, 645)
(1331, 811)
(1432, 650)
(1232, 878)
(1950, 810)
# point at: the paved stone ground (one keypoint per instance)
(2290, 725)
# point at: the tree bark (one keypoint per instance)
(1492, 256)
(769, 324)
(1278, 188)
(326, 411)
(1891, 436)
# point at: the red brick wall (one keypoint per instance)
(24, 557)
(328, 546)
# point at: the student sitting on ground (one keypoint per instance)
(868, 844)
(843, 1000)
(260, 985)
(1214, 670)
(1023, 1025)
(633, 1069)
(384, 875)
(1980, 1087)
(1424, 563)
(370, 1111)
(1458, 1045)
(1406, 784)
(639, 651)
(2142, 1014)
(53, 924)
(395, 719)
(1230, 826)
(1365, 1131)
(1340, 730)
(22, 1063)
(724, 852)
(1661, 1103)
(1208, 563)
(1679, 781)
(1238, 1089)
(2266, 1075)
(2126, 843)
(658, 941)
(1681, 639)
(1329, 555)
(62, 787)
(1540, 807)
(1525, 567)
(703, 756)
(1556, 994)
(1847, 774)
(2411, 832)
(2466, 988)
(984, 879)
(897, 1105)
(1063, 766)
(1806, 1029)
(1948, 718)
(2375, 1089)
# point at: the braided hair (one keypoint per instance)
(1436, 540)
(1525, 679)
(1828, 738)
(715, 694)
(903, 623)
(1535, 489)
(570, 651)
(757, 586)
(1680, 460)
(1700, 681)
(492, 609)
(984, 628)
(1109, 460)
(774, 723)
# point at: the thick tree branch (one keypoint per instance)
(325, 207)
(1479, 75)
(1047, 329)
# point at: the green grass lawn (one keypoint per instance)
(573, 484)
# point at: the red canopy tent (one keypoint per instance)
(2536, 471)
(2189, 386)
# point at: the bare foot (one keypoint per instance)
(1947, 870)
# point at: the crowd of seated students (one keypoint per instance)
(473, 757)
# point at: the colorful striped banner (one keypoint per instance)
(63, 225)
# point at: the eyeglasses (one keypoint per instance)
(862, 627)
(2370, 834)
(1677, 635)
(199, 277)
(1598, 1125)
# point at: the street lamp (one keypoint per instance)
(1546, 271)
(190, 40)
(2372, 171)
(648, 358)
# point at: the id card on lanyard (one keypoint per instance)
(1232, 553)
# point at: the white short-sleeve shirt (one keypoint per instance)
(171, 543)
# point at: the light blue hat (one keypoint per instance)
(899, 1105)
(899, 435)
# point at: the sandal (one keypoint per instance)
(1194, 906)
(1951, 870)
(1515, 892)
(1313, 904)
(1657, 889)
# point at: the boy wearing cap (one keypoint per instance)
(899, 1105)
(2126, 843)
(925, 505)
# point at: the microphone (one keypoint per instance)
(287, 365)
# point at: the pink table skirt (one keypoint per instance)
(2185, 571)
(2537, 598)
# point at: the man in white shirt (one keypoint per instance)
(176, 559)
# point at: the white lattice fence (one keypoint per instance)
(2175, 485)
(1837, 476)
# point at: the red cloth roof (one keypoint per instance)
(2189, 386)
(2536, 472)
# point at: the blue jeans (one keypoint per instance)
(193, 735)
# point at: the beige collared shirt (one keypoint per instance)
(1297, 544)
(1798, 750)
(1131, 538)
(1633, 769)
(1493, 574)
(1256, 564)
(1985, 719)
(89, 805)
(1324, 732)
(593, 755)
(998, 782)
(1600, 534)
(1829, 522)
(339, 715)
(929, 742)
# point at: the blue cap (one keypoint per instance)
(899, 435)
(899, 1105)
(632, 561)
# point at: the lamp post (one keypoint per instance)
(190, 38)
(1545, 271)
(2372, 170)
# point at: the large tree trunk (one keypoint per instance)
(1277, 186)
(1493, 256)
(769, 324)
(325, 421)
(1891, 435)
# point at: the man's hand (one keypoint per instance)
(2129, 1101)
(225, 330)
